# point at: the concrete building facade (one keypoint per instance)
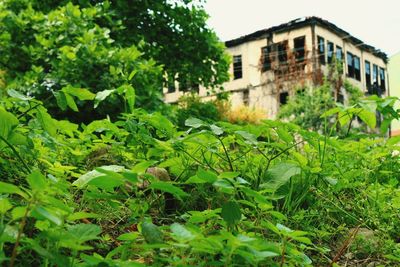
(394, 84)
(268, 65)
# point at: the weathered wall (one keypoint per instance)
(394, 83)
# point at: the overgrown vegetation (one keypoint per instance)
(93, 176)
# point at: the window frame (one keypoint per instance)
(237, 69)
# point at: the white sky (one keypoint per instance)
(375, 22)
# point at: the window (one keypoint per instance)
(282, 51)
(382, 77)
(368, 75)
(321, 50)
(350, 68)
(357, 69)
(237, 67)
(283, 98)
(266, 57)
(375, 74)
(171, 85)
(339, 53)
(299, 48)
(330, 52)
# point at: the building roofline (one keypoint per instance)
(306, 21)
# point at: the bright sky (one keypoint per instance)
(375, 22)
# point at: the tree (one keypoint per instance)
(106, 47)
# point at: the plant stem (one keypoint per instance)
(16, 153)
(20, 231)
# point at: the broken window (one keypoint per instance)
(246, 97)
(350, 67)
(283, 98)
(299, 48)
(339, 53)
(170, 85)
(382, 77)
(321, 50)
(237, 67)
(375, 74)
(330, 52)
(357, 69)
(266, 57)
(368, 75)
(282, 51)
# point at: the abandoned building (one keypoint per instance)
(271, 64)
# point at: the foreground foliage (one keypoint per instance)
(138, 191)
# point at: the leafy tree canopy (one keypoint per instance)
(106, 45)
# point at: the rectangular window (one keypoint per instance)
(266, 57)
(330, 52)
(282, 51)
(283, 98)
(375, 74)
(321, 50)
(357, 68)
(368, 75)
(382, 77)
(237, 67)
(350, 67)
(339, 53)
(171, 85)
(299, 48)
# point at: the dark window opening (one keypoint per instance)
(330, 52)
(237, 67)
(382, 77)
(282, 51)
(375, 75)
(368, 75)
(357, 68)
(246, 98)
(339, 53)
(283, 98)
(321, 50)
(266, 57)
(350, 67)
(171, 85)
(299, 48)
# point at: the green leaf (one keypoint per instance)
(46, 121)
(168, 187)
(284, 135)
(143, 166)
(5, 205)
(330, 112)
(100, 96)
(80, 93)
(40, 212)
(7, 188)
(228, 175)
(231, 213)
(61, 100)
(248, 137)
(84, 232)
(216, 130)
(128, 236)
(82, 215)
(194, 123)
(280, 175)
(368, 117)
(89, 176)
(18, 95)
(151, 233)
(36, 181)
(71, 102)
(7, 123)
(130, 97)
(180, 233)
(203, 176)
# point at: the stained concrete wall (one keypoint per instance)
(261, 86)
